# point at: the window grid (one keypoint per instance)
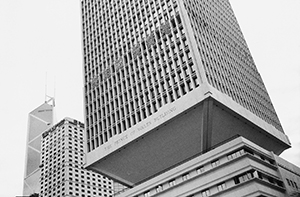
(136, 59)
(226, 58)
(62, 159)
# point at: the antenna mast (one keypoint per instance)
(49, 99)
(46, 88)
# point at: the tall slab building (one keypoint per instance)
(166, 81)
(39, 120)
(62, 159)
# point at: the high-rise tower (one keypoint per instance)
(39, 120)
(166, 80)
(62, 159)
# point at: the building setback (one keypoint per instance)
(165, 80)
(62, 160)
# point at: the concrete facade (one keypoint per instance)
(62, 160)
(237, 167)
(163, 77)
(290, 175)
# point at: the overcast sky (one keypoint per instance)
(44, 36)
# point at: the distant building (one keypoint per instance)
(165, 80)
(62, 160)
(290, 175)
(39, 120)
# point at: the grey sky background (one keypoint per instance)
(44, 36)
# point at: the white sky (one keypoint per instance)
(44, 36)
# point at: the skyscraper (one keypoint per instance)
(62, 160)
(39, 120)
(167, 80)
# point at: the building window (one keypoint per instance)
(185, 176)
(235, 154)
(172, 183)
(159, 188)
(221, 187)
(244, 177)
(147, 194)
(200, 169)
(215, 163)
(205, 193)
(292, 183)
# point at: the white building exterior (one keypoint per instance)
(39, 120)
(168, 79)
(62, 160)
(165, 83)
(236, 168)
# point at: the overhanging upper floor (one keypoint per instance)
(181, 130)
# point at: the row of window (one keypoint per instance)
(226, 58)
(292, 183)
(207, 167)
(110, 34)
(59, 134)
(157, 71)
(62, 160)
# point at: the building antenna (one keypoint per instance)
(54, 91)
(48, 98)
(46, 88)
